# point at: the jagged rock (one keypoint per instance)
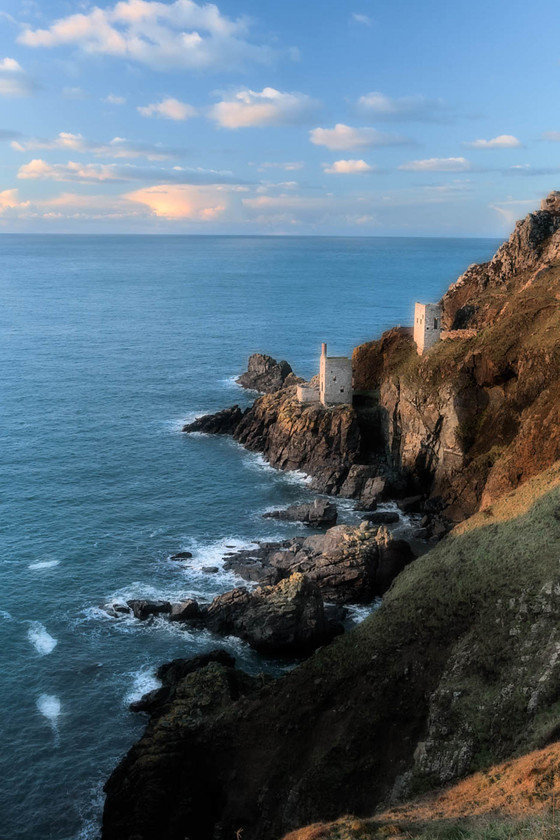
(222, 423)
(143, 609)
(287, 619)
(210, 570)
(317, 514)
(349, 565)
(265, 374)
(184, 611)
(181, 555)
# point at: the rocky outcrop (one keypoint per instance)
(287, 619)
(224, 422)
(349, 565)
(266, 375)
(317, 514)
(458, 669)
(143, 609)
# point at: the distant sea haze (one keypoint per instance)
(108, 344)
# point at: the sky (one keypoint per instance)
(300, 117)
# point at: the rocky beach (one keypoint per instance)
(457, 668)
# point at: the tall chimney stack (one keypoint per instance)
(323, 349)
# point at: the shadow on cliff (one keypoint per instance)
(459, 668)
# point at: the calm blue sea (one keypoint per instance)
(107, 344)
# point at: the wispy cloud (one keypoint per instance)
(553, 136)
(502, 141)
(513, 209)
(112, 99)
(357, 17)
(347, 167)
(345, 137)
(264, 108)
(405, 108)
(109, 172)
(168, 109)
(450, 164)
(182, 34)
(287, 166)
(14, 81)
(118, 147)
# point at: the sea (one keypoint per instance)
(108, 344)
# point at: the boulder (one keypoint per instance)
(223, 422)
(181, 555)
(143, 609)
(287, 619)
(317, 514)
(185, 611)
(265, 374)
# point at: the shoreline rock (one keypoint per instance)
(266, 375)
(317, 514)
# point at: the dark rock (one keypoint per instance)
(171, 674)
(317, 514)
(210, 570)
(421, 533)
(143, 609)
(222, 423)
(265, 374)
(287, 619)
(412, 504)
(181, 555)
(382, 517)
(185, 611)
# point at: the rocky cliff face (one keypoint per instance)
(458, 669)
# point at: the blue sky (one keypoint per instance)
(296, 117)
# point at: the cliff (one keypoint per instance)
(459, 668)
(471, 419)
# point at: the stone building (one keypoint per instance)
(335, 379)
(335, 382)
(427, 325)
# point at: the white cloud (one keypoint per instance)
(513, 209)
(287, 166)
(168, 109)
(117, 148)
(181, 34)
(450, 164)
(418, 108)
(111, 99)
(345, 137)
(347, 167)
(8, 199)
(14, 81)
(267, 107)
(170, 201)
(363, 19)
(38, 169)
(503, 141)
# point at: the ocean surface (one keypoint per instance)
(107, 345)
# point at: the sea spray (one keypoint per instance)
(41, 640)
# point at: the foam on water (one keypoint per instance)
(6, 616)
(143, 681)
(41, 640)
(44, 564)
(257, 463)
(359, 612)
(50, 706)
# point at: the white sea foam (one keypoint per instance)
(41, 640)
(143, 681)
(50, 707)
(231, 383)
(258, 463)
(359, 612)
(44, 564)
(6, 616)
